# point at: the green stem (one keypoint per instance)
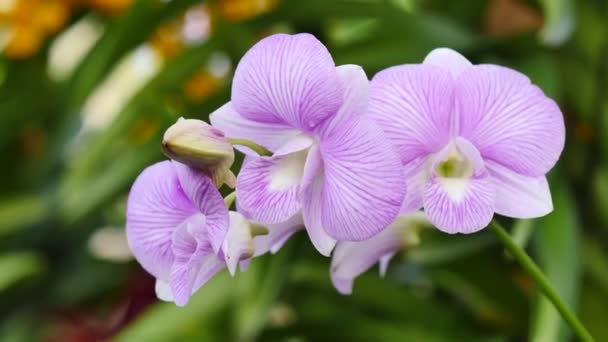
(541, 280)
(259, 149)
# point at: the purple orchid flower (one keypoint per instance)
(330, 162)
(473, 139)
(352, 258)
(180, 230)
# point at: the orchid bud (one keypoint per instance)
(201, 146)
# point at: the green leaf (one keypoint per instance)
(559, 21)
(257, 290)
(167, 322)
(556, 245)
(18, 266)
(21, 211)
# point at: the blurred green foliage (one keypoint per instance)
(60, 186)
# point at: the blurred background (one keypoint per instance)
(87, 88)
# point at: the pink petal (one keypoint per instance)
(448, 59)
(509, 120)
(460, 205)
(190, 247)
(356, 89)
(413, 105)
(363, 185)
(277, 235)
(287, 79)
(470, 212)
(157, 205)
(519, 196)
(351, 259)
(312, 214)
(270, 135)
(416, 175)
(269, 188)
(238, 244)
(205, 196)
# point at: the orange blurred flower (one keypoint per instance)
(238, 10)
(201, 86)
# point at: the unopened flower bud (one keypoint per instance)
(201, 146)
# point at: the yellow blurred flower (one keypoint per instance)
(23, 41)
(27, 23)
(237, 10)
(167, 40)
(110, 7)
(201, 86)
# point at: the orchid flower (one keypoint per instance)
(180, 230)
(330, 162)
(352, 258)
(473, 139)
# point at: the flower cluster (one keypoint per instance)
(349, 160)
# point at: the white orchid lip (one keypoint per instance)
(288, 171)
(455, 165)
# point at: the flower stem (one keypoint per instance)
(541, 280)
(259, 149)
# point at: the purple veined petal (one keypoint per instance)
(277, 235)
(449, 60)
(351, 259)
(509, 120)
(460, 204)
(312, 213)
(413, 104)
(157, 205)
(270, 135)
(202, 192)
(363, 186)
(287, 78)
(269, 188)
(190, 247)
(356, 89)
(519, 196)
(209, 267)
(416, 174)
(238, 244)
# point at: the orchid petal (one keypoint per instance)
(416, 175)
(204, 195)
(270, 135)
(190, 247)
(238, 244)
(413, 105)
(351, 259)
(163, 291)
(356, 98)
(519, 196)
(269, 188)
(277, 235)
(157, 204)
(287, 79)
(510, 120)
(448, 60)
(312, 214)
(460, 205)
(363, 186)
